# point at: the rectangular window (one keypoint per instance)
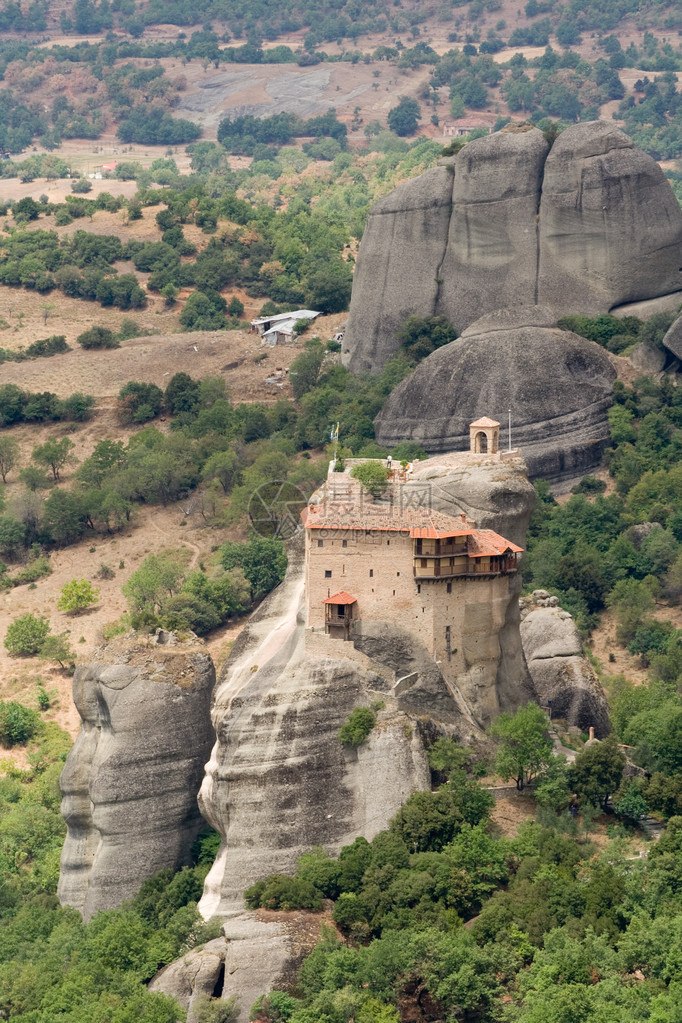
(419, 588)
(397, 573)
(449, 587)
(320, 543)
(328, 573)
(388, 543)
(371, 573)
(344, 543)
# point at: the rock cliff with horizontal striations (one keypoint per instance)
(587, 225)
(560, 671)
(130, 783)
(557, 384)
(279, 780)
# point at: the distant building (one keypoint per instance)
(279, 329)
(465, 125)
(396, 560)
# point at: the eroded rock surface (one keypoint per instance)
(257, 952)
(673, 338)
(559, 669)
(588, 225)
(279, 781)
(131, 780)
(557, 384)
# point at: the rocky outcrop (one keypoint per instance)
(257, 952)
(559, 669)
(588, 225)
(673, 338)
(279, 781)
(130, 783)
(557, 384)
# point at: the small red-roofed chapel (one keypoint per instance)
(484, 436)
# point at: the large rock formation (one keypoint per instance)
(673, 339)
(560, 671)
(588, 225)
(557, 384)
(257, 952)
(130, 782)
(279, 781)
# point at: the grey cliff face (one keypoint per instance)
(257, 952)
(583, 227)
(279, 781)
(130, 783)
(557, 384)
(673, 339)
(559, 669)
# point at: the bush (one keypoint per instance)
(372, 475)
(282, 892)
(77, 596)
(26, 635)
(138, 403)
(18, 724)
(98, 337)
(358, 726)
(81, 186)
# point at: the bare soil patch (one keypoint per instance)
(511, 811)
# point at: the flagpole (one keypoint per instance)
(509, 435)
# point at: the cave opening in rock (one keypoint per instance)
(220, 983)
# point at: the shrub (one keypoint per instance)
(358, 726)
(282, 892)
(18, 724)
(372, 475)
(26, 635)
(137, 403)
(98, 337)
(77, 595)
(81, 186)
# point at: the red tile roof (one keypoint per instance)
(417, 523)
(341, 598)
(484, 421)
(482, 543)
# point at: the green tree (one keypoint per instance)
(9, 456)
(159, 576)
(224, 467)
(54, 454)
(525, 748)
(403, 118)
(597, 771)
(77, 595)
(422, 335)
(372, 475)
(98, 337)
(263, 561)
(305, 369)
(26, 635)
(57, 648)
(18, 724)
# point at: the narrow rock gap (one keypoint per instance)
(537, 230)
(439, 268)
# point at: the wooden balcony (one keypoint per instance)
(474, 568)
